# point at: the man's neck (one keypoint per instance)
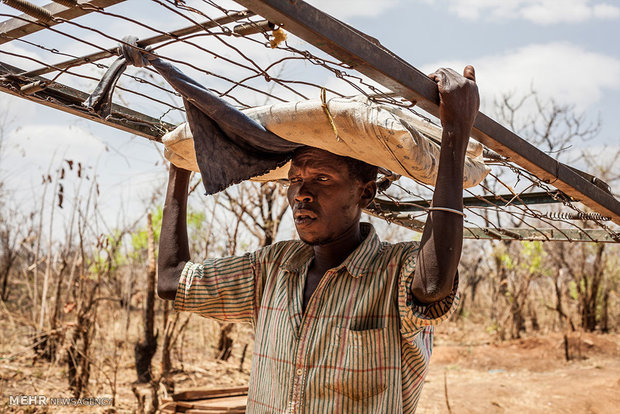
(333, 253)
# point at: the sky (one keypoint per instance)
(567, 50)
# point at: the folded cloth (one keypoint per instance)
(230, 147)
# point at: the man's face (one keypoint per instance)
(325, 200)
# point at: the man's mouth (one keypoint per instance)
(303, 216)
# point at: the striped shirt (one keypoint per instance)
(362, 345)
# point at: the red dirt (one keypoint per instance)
(529, 375)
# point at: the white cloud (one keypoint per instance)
(14, 109)
(606, 11)
(36, 146)
(542, 12)
(562, 71)
(126, 169)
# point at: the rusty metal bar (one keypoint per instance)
(375, 61)
(25, 25)
(501, 200)
(523, 234)
(542, 234)
(67, 99)
(93, 57)
(36, 12)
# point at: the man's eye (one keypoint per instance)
(294, 180)
(322, 178)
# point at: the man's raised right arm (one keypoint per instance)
(173, 242)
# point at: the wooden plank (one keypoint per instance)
(206, 393)
(214, 405)
(25, 25)
(209, 411)
(216, 402)
(375, 61)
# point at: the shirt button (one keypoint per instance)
(299, 372)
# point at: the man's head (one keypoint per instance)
(327, 193)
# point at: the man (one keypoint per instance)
(343, 322)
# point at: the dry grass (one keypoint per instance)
(483, 375)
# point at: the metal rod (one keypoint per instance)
(487, 233)
(67, 99)
(247, 29)
(502, 200)
(25, 25)
(523, 234)
(32, 10)
(67, 3)
(375, 61)
(93, 57)
(544, 234)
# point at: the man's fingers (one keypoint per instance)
(438, 75)
(470, 73)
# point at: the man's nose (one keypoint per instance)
(303, 195)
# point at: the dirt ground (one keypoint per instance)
(478, 375)
(529, 375)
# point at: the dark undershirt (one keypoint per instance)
(312, 281)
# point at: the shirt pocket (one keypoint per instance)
(359, 371)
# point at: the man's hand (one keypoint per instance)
(459, 99)
(442, 239)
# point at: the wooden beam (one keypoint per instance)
(375, 61)
(207, 393)
(25, 25)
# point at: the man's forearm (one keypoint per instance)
(442, 238)
(173, 242)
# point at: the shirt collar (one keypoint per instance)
(357, 263)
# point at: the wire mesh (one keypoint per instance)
(249, 64)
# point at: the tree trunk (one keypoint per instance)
(166, 362)
(590, 293)
(534, 318)
(79, 358)
(144, 350)
(605, 313)
(226, 342)
(5, 276)
(518, 325)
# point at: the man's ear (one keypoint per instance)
(369, 190)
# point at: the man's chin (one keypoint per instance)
(309, 238)
(313, 240)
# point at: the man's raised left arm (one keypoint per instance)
(442, 239)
